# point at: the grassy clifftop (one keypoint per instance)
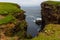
(51, 32)
(12, 22)
(6, 8)
(52, 2)
(9, 9)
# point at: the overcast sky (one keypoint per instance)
(25, 2)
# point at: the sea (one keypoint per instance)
(32, 13)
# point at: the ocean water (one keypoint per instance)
(31, 14)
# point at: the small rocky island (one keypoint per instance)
(38, 21)
(50, 11)
(12, 22)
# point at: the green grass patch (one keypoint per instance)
(7, 19)
(51, 32)
(53, 2)
(6, 8)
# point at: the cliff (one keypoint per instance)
(50, 11)
(12, 22)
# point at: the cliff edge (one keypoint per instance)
(12, 22)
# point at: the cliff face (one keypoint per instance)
(50, 12)
(12, 22)
(51, 21)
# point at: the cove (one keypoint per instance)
(31, 14)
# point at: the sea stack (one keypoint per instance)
(12, 21)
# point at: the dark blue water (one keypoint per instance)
(31, 14)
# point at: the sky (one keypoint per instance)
(26, 2)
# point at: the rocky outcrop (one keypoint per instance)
(50, 21)
(50, 12)
(12, 22)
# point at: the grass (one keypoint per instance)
(12, 9)
(51, 32)
(2, 3)
(6, 8)
(53, 2)
(6, 19)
